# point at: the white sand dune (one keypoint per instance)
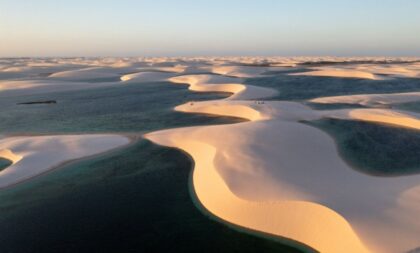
(262, 161)
(86, 74)
(15, 88)
(178, 68)
(238, 71)
(147, 77)
(346, 73)
(215, 83)
(9, 155)
(271, 174)
(32, 156)
(366, 71)
(277, 175)
(310, 223)
(370, 99)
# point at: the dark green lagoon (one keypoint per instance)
(375, 149)
(308, 87)
(4, 163)
(135, 199)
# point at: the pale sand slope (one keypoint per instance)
(223, 84)
(238, 71)
(14, 88)
(86, 74)
(366, 71)
(334, 72)
(276, 175)
(147, 77)
(370, 99)
(261, 162)
(32, 156)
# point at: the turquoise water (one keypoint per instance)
(135, 199)
(375, 149)
(412, 106)
(336, 106)
(123, 108)
(307, 87)
(4, 163)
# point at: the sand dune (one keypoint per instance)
(223, 84)
(346, 73)
(14, 88)
(262, 161)
(238, 71)
(146, 77)
(371, 99)
(86, 74)
(253, 174)
(366, 71)
(271, 174)
(310, 223)
(32, 156)
(9, 155)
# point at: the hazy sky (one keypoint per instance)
(209, 27)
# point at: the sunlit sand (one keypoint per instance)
(32, 156)
(273, 173)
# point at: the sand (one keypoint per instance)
(32, 156)
(366, 71)
(276, 175)
(216, 83)
(371, 99)
(271, 174)
(146, 77)
(85, 74)
(346, 73)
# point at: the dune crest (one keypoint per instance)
(146, 77)
(32, 156)
(345, 73)
(215, 83)
(370, 99)
(310, 223)
(264, 174)
(9, 155)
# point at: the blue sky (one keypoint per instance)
(216, 27)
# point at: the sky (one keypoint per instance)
(209, 27)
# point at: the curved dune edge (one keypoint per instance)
(345, 73)
(312, 224)
(238, 71)
(214, 83)
(291, 111)
(371, 71)
(370, 99)
(32, 156)
(386, 116)
(9, 155)
(222, 193)
(46, 86)
(149, 76)
(85, 73)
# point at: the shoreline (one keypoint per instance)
(267, 114)
(131, 140)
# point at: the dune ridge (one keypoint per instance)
(271, 174)
(228, 161)
(32, 156)
(370, 99)
(215, 83)
(346, 73)
(370, 71)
